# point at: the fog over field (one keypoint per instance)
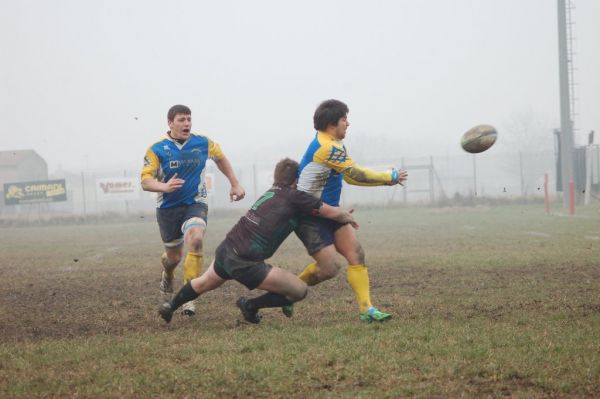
(87, 84)
(484, 266)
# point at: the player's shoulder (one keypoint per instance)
(294, 193)
(282, 191)
(279, 190)
(200, 138)
(327, 142)
(331, 151)
(158, 144)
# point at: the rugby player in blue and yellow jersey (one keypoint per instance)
(324, 165)
(174, 168)
(255, 238)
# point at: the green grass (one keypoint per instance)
(487, 302)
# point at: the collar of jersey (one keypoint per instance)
(327, 136)
(171, 139)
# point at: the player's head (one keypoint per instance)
(286, 173)
(331, 116)
(179, 118)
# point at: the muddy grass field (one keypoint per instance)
(487, 302)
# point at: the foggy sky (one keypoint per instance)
(75, 75)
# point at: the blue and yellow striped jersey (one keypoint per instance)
(167, 157)
(322, 168)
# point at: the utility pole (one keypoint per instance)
(565, 64)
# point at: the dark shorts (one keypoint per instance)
(171, 220)
(229, 266)
(316, 233)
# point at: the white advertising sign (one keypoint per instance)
(118, 188)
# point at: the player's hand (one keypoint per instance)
(349, 219)
(403, 176)
(399, 176)
(173, 184)
(237, 193)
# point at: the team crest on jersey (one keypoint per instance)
(337, 155)
(173, 164)
(167, 149)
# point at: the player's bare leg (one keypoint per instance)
(347, 244)
(283, 288)
(282, 282)
(190, 291)
(325, 267)
(194, 230)
(169, 260)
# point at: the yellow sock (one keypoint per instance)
(192, 267)
(308, 275)
(358, 278)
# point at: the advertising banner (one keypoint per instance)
(35, 192)
(117, 188)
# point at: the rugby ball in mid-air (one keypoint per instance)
(479, 138)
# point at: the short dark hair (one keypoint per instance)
(286, 172)
(328, 113)
(178, 109)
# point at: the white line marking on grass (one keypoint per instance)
(592, 237)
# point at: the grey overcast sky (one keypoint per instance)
(75, 74)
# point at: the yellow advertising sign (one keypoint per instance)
(35, 191)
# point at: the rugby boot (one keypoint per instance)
(249, 315)
(374, 314)
(288, 310)
(166, 284)
(166, 312)
(188, 308)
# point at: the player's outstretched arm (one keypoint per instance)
(362, 176)
(237, 192)
(338, 214)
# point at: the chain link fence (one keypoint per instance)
(433, 181)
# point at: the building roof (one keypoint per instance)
(15, 157)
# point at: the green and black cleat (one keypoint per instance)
(374, 314)
(288, 310)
